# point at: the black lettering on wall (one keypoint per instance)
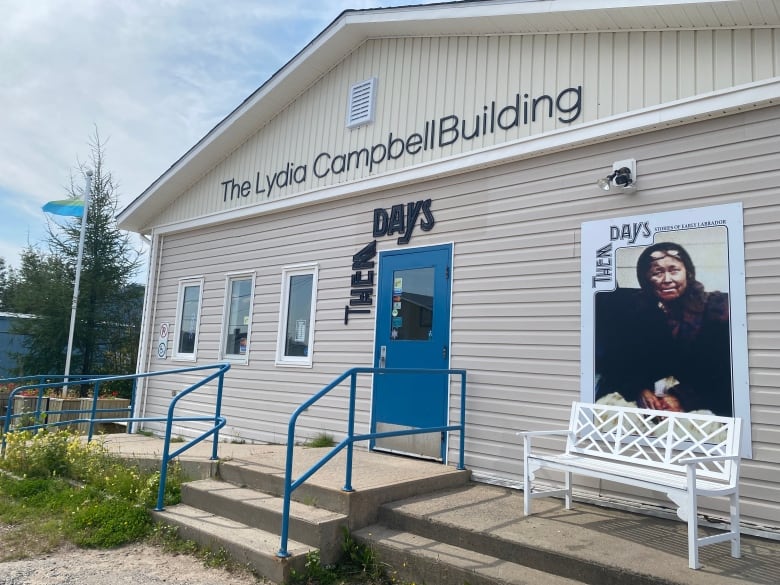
(565, 107)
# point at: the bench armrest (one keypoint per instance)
(529, 435)
(542, 433)
(695, 460)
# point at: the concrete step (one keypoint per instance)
(256, 476)
(398, 479)
(245, 544)
(417, 559)
(587, 544)
(309, 524)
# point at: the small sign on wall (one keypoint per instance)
(162, 344)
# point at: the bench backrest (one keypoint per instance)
(655, 438)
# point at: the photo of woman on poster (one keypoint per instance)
(666, 344)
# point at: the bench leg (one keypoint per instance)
(526, 489)
(734, 513)
(693, 521)
(567, 486)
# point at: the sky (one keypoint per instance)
(150, 77)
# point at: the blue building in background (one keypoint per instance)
(10, 343)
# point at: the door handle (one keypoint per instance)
(444, 352)
(382, 356)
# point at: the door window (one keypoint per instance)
(411, 313)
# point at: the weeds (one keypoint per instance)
(358, 565)
(56, 488)
(321, 440)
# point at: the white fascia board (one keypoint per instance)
(685, 111)
(498, 8)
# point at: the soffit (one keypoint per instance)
(483, 17)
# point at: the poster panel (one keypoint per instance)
(664, 321)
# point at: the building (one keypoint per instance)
(418, 188)
(10, 343)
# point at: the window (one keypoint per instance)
(360, 109)
(188, 318)
(415, 313)
(296, 317)
(237, 317)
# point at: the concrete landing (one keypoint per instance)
(590, 544)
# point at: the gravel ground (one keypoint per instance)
(137, 564)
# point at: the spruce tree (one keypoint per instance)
(109, 305)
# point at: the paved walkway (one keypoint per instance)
(635, 543)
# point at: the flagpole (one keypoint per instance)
(87, 191)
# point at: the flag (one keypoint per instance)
(69, 207)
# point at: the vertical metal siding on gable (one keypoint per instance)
(420, 79)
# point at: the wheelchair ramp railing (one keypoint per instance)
(351, 438)
(35, 392)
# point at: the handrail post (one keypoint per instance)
(350, 432)
(95, 390)
(9, 412)
(462, 457)
(283, 553)
(38, 407)
(217, 414)
(131, 411)
(164, 464)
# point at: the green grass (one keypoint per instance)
(56, 489)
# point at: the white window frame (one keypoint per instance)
(287, 273)
(230, 278)
(183, 284)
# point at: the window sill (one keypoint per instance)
(291, 364)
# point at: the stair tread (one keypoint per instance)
(258, 499)
(225, 529)
(486, 566)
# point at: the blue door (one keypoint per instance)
(412, 331)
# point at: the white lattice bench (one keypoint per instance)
(682, 455)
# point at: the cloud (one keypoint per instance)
(152, 76)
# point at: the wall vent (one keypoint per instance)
(360, 109)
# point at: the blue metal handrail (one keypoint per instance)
(291, 485)
(40, 387)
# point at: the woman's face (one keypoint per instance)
(668, 276)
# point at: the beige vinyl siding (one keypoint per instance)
(426, 78)
(516, 280)
(516, 321)
(261, 391)
(516, 289)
